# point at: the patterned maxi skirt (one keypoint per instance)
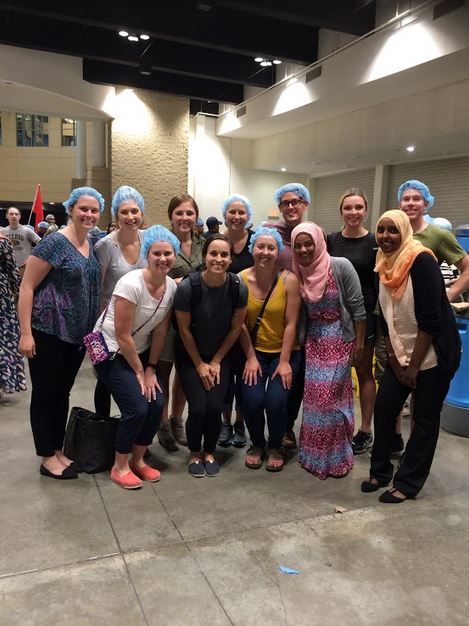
(326, 433)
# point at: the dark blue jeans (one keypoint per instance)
(139, 418)
(270, 397)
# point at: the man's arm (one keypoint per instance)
(462, 283)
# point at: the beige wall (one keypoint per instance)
(149, 147)
(22, 168)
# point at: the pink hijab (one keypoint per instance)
(312, 277)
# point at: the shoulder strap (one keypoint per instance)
(235, 282)
(196, 289)
(255, 329)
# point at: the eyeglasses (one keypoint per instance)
(284, 204)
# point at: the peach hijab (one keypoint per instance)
(312, 277)
(394, 268)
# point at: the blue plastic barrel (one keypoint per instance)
(455, 413)
(462, 235)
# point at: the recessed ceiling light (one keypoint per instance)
(132, 38)
(410, 148)
(283, 169)
(123, 33)
(258, 59)
(266, 63)
(276, 62)
(145, 37)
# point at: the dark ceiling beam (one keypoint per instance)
(162, 56)
(346, 16)
(186, 86)
(217, 29)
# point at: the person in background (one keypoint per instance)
(119, 253)
(111, 227)
(213, 226)
(22, 238)
(237, 213)
(12, 376)
(42, 229)
(330, 287)
(199, 228)
(183, 213)
(424, 349)
(208, 326)
(270, 346)
(52, 226)
(134, 327)
(58, 306)
(358, 245)
(292, 200)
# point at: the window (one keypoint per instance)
(69, 132)
(32, 130)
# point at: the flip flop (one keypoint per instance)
(256, 452)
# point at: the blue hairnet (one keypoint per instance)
(199, 221)
(421, 188)
(158, 233)
(43, 225)
(264, 231)
(297, 188)
(83, 191)
(126, 193)
(236, 197)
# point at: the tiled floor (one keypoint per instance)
(186, 551)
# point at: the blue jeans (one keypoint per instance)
(268, 395)
(139, 418)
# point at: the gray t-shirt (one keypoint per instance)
(212, 316)
(22, 239)
(113, 263)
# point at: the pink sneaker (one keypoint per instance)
(126, 481)
(146, 473)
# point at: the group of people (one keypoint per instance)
(272, 318)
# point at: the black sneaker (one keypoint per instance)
(362, 442)
(239, 437)
(226, 435)
(397, 447)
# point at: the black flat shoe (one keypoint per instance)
(76, 467)
(388, 497)
(368, 487)
(67, 474)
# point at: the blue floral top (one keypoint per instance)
(66, 302)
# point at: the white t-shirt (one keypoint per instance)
(22, 240)
(132, 287)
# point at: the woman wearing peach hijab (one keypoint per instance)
(331, 290)
(423, 348)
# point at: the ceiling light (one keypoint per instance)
(144, 69)
(283, 169)
(145, 37)
(123, 33)
(410, 148)
(266, 63)
(132, 38)
(259, 59)
(276, 62)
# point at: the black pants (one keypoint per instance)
(295, 397)
(53, 371)
(204, 407)
(432, 387)
(139, 418)
(102, 399)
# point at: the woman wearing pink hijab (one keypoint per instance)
(331, 290)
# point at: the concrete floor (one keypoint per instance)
(186, 551)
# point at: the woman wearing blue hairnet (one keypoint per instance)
(58, 305)
(135, 326)
(270, 344)
(237, 213)
(119, 253)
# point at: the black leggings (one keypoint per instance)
(431, 390)
(53, 371)
(205, 407)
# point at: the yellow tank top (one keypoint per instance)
(270, 334)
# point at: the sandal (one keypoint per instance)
(256, 452)
(388, 497)
(274, 455)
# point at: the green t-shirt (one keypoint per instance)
(443, 243)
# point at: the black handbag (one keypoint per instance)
(90, 440)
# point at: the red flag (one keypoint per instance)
(38, 209)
